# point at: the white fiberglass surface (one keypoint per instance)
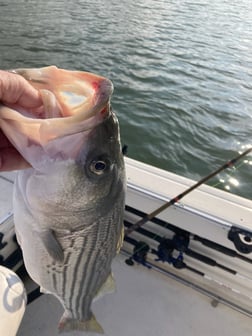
(146, 303)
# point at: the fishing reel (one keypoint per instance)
(242, 239)
(169, 250)
(168, 247)
(140, 252)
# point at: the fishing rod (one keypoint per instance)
(166, 205)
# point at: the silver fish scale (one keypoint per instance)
(88, 255)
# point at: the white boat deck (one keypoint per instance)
(146, 303)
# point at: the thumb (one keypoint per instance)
(14, 89)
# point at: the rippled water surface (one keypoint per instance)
(182, 71)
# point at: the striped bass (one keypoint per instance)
(68, 207)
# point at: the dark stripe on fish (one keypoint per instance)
(86, 276)
(97, 262)
(64, 275)
(54, 276)
(78, 264)
(85, 301)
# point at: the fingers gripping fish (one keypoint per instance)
(68, 207)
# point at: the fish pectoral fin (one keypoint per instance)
(108, 287)
(52, 245)
(67, 324)
(44, 291)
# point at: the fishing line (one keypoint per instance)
(231, 174)
(174, 200)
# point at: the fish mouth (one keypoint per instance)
(90, 99)
(73, 103)
(69, 93)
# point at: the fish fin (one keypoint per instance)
(120, 241)
(67, 324)
(52, 245)
(43, 290)
(108, 287)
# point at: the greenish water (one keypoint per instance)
(182, 71)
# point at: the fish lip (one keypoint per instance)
(103, 92)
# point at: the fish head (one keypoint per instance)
(102, 161)
(72, 143)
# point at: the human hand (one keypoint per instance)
(15, 91)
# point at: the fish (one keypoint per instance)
(69, 205)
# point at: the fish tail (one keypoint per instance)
(67, 324)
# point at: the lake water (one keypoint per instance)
(182, 71)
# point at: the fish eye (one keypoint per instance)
(98, 167)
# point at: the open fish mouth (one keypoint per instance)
(74, 102)
(77, 92)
